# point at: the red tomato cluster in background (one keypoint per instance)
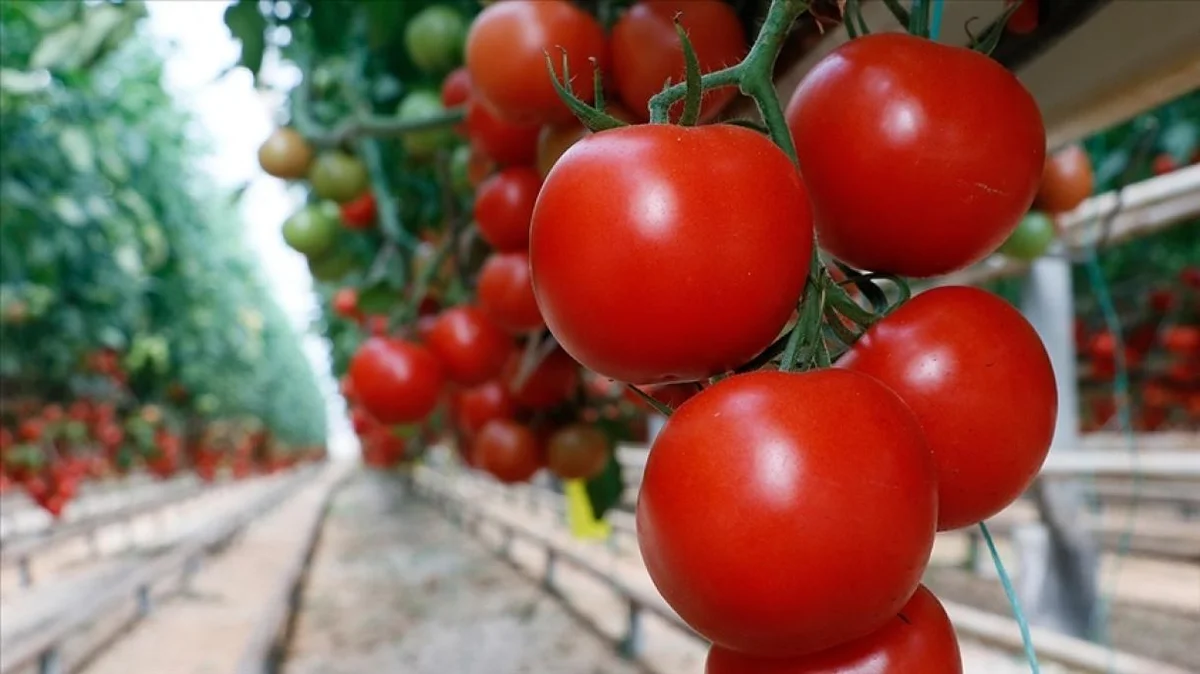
(49, 450)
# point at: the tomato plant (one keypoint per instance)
(646, 50)
(516, 85)
(506, 293)
(396, 381)
(683, 254)
(577, 452)
(504, 207)
(419, 105)
(360, 213)
(470, 346)
(310, 230)
(456, 88)
(929, 168)
(919, 638)
(977, 377)
(508, 450)
(801, 508)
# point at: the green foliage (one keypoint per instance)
(110, 238)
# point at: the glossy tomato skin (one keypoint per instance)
(782, 514)
(921, 158)
(552, 382)
(480, 404)
(508, 450)
(646, 50)
(470, 346)
(398, 382)
(577, 452)
(506, 56)
(1067, 180)
(630, 213)
(504, 207)
(977, 377)
(919, 638)
(506, 293)
(506, 143)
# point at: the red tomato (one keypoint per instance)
(377, 325)
(456, 88)
(644, 272)
(506, 143)
(31, 429)
(507, 450)
(506, 56)
(53, 413)
(360, 212)
(553, 381)
(921, 158)
(506, 293)
(484, 403)
(398, 382)
(978, 378)
(1162, 300)
(1164, 164)
(646, 50)
(1190, 277)
(577, 452)
(919, 638)
(345, 303)
(774, 525)
(1067, 180)
(1183, 340)
(1023, 20)
(471, 347)
(504, 207)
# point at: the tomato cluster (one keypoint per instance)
(815, 444)
(51, 449)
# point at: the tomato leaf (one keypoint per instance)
(248, 26)
(691, 100)
(867, 287)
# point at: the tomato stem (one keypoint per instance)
(651, 401)
(691, 100)
(389, 210)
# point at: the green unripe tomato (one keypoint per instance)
(332, 266)
(338, 176)
(310, 230)
(420, 105)
(435, 37)
(1031, 238)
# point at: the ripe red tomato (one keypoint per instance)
(775, 527)
(646, 50)
(921, 158)
(507, 450)
(978, 378)
(377, 325)
(1067, 180)
(504, 207)
(470, 346)
(506, 56)
(1183, 340)
(507, 143)
(506, 293)
(398, 382)
(629, 213)
(30, 429)
(359, 213)
(345, 303)
(1024, 19)
(456, 88)
(577, 452)
(1163, 164)
(553, 381)
(919, 638)
(478, 405)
